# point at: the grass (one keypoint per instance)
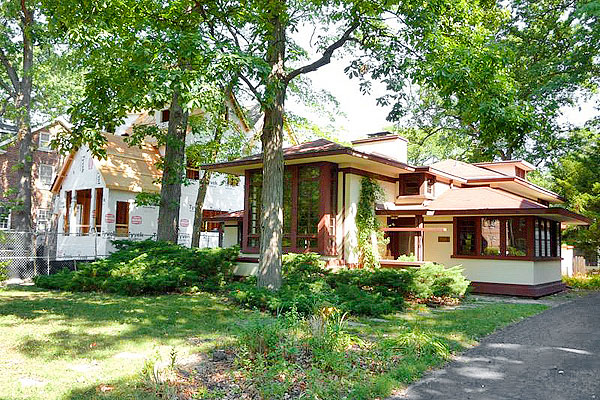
(72, 343)
(78, 344)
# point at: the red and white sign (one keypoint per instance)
(109, 218)
(136, 219)
(184, 222)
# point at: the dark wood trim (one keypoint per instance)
(248, 259)
(530, 237)
(502, 238)
(419, 242)
(400, 264)
(246, 211)
(415, 229)
(373, 175)
(534, 291)
(516, 211)
(400, 212)
(324, 209)
(454, 236)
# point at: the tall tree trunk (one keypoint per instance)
(21, 215)
(202, 189)
(269, 267)
(170, 193)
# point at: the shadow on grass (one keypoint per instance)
(118, 319)
(123, 389)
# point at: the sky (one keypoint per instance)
(363, 115)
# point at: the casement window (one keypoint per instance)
(44, 141)
(46, 174)
(122, 219)
(4, 218)
(520, 172)
(309, 208)
(529, 238)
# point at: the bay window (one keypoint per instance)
(530, 238)
(309, 207)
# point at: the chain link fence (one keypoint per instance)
(28, 254)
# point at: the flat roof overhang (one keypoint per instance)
(519, 186)
(345, 157)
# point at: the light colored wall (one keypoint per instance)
(230, 235)
(546, 271)
(390, 191)
(566, 264)
(395, 149)
(436, 251)
(351, 238)
(486, 270)
(439, 188)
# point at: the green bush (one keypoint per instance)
(436, 280)
(307, 286)
(3, 271)
(587, 282)
(149, 267)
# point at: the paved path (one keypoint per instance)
(553, 355)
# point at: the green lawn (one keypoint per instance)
(57, 345)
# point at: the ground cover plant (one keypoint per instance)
(308, 286)
(589, 281)
(60, 345)
(149, 267)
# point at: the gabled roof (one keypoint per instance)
(127, 168)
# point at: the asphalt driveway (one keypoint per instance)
(553, 355)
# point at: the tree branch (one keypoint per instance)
(10, 71)
(326, 57)
(252, 89)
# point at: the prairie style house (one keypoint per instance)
(96, 198)
(503, 230)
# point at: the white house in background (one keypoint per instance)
(96, 198)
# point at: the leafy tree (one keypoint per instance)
(577, 177)
(498, 78)
(274, 62)
(143, 55)
(36, 82)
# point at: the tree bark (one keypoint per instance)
(202, 189)
(269, 267)
(21, 218)
(170, 193)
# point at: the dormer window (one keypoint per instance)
(165, 115)
(520, 172)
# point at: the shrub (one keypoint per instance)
(588, 281)
(3, 271)
(149, 267)
(436, 280)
